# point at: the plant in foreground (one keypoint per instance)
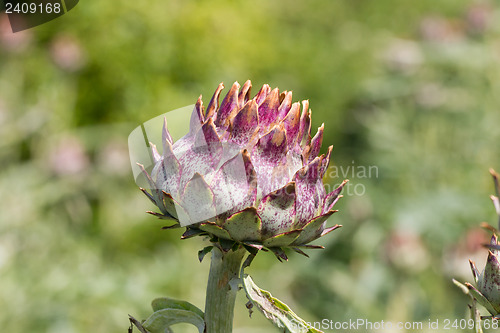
(247, 175)
(487, 292)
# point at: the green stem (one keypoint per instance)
(219, 304)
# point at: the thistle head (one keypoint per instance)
(487, 292)
(488, 282)
(247, 173)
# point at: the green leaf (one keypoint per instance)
(170, 303)
(161, 320)
(275, 310)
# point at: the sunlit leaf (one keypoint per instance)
(169, 303)
(275, 310)
(161, 320)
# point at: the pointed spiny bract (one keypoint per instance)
(244, 95)
(262, 94)
(228, 107)
(166, 173)
(247, 171)
(213, 106)
(313, 228)
(154, 152)
(285, 105)
(272, 146)
(326, 161)
(208, 137)
(495, 180)
(244, 124)
(165, 134)
(268, 110)
(197, 118)
(312, 150)
(496, 203)
(305, 126)
(475, 271)
(332, 198)
(292, 125)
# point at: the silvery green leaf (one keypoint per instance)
(275, 310)
(161, 320)
(169, 303)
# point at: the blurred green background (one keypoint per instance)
(410, 89)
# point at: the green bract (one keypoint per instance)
(247, 171)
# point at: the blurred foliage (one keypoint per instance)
(409, 90)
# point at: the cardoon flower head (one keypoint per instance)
(247, 172)
(488, 282)
(487, 292)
